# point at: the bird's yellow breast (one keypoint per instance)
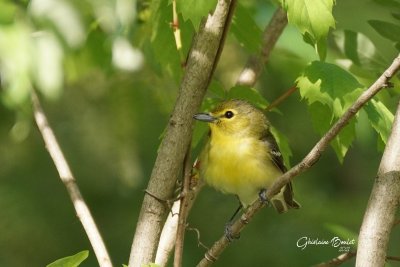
(239, 165)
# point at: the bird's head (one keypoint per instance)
(235, 117)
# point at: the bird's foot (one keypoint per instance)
(263, 196)
(228, 233)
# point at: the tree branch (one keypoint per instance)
(200, 66)
(271, 34)
(255, 64)
(310, 159)
(183, 210)
(338, 260)
(66, 176)
(347, 256)
(168, 235)
(379, 216)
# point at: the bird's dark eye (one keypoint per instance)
(228, 114)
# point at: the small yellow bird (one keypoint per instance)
(241, 156)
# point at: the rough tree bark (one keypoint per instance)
(199, 69)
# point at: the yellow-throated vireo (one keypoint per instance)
(241, 156)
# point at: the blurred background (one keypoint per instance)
(108, 83)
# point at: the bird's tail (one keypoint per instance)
(284, 200)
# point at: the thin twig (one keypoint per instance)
(338, 260)
(183, 212)
(311, 158)
(342, 258)
(280, 99)
(199, 243)
(255, 64)
(68, 180)
(397, 222)
(177, 33)
(392, 258)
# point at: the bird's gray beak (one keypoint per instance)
(204, 117)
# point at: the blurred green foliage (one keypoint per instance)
(108, 73)
(70, 261)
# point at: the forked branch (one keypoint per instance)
(311, 158)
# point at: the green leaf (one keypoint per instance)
(344, 139)
(380, 117)
(397, 46)
(16, 61)
(216, 89)
(329, 90)
(322, 119)
(71, 261)
(321, 47)
(388, 3)
(150, 265)
(245, 29)
(249, 94)
(386, 29)
(162, 39)
(396, 15)
(283, 144)
(195, 10)
(8, 11)
(361, 51)
(325, 82)
(350, 46)
(313, 19)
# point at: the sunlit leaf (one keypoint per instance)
(380, 117)
(344, 139)
(16, 63)
(313, 19)
(325, 82)
(64, 16)
(70, 261)
(329, 91)
(48, 71)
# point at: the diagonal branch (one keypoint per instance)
(200, 67)
(342, 258)
(338, 260)
(68, 179)
(311, 158)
